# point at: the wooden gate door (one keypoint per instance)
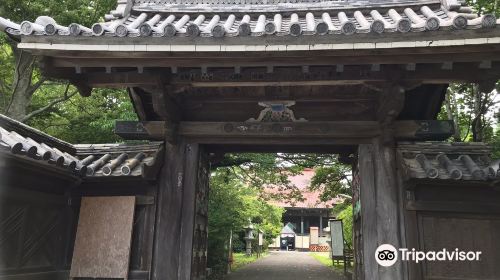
(181, 232)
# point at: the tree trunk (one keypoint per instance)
(22, 88)
(477, 123)
(452, 114)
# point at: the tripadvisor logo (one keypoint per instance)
(387, 255)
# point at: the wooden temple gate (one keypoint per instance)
(346, 77)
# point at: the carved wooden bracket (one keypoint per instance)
(391, 103)
(83, 89)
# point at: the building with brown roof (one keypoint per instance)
(304, 217)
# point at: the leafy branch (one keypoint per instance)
(51, 104)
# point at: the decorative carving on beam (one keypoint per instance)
(276, 111)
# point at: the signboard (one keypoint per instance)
(103, 238)
(261, 238)
(337, 232)
(314, 235)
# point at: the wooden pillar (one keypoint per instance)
(176, 214)
(381, 203)
(369, 267)
(188, 211)
(380, 194)
(320, 223)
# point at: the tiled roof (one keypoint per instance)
(452, 161)
(113, 160)
(117, 159)
(210, 19)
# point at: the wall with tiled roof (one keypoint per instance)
(88, 161)
(448, 161)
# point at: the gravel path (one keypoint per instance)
(285, 266)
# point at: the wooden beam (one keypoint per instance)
(355, 129)
(431, 73)
(144, 130)
(281, 141)
(410, 130)
(424, 130)
(259, 59)
(112, 79)
(407, 130)
(455, 206)
(305, 147)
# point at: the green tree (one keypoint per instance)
(21, 78)
(84, 119)
(231, 204)
(471, 110)
(485, 6)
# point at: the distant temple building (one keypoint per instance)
(305, 221)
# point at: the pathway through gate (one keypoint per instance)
(286, 266)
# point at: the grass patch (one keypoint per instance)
(240, 260)
(324, 258)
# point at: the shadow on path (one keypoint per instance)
(285, 266)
